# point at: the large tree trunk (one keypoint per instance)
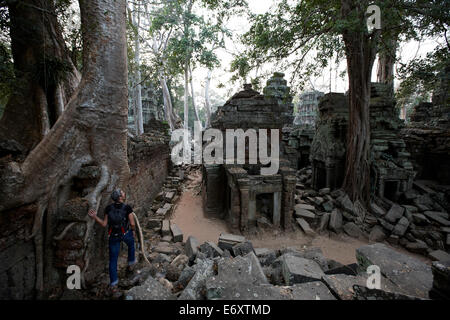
(386, 62)
(45, 72)
(138, 118)
(92, 131)
(360, 52)
(207, 100)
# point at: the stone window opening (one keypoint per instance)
(264, 205)
(391, 189)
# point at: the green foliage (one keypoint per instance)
(420, 77)
(304, 36)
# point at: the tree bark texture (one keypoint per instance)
(46, 75)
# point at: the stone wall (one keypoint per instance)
(149, 160)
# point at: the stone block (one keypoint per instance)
(241, 249)
(439, 255)
(151, 289)
(352, 230)
(176, 232)
(300, 270)
(305, 227)
(165, 229)
(196, 286)
(412, 276)
(211, 250)
(191, 247)
(335, 220)
(401, 227)
(305, 214)
(394, 214)
(227, 241)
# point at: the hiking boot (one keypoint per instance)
(131, 267)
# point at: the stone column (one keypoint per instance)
(276, 209)
(252, 208)
(244, 209)
(235, 208)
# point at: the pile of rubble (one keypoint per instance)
(233, 270)
(419, 221)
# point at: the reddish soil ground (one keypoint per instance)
(190, 218)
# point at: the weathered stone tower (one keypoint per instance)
(238, 192)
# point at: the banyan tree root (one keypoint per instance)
(141, 238)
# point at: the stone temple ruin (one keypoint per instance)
(390, 161)
(239, 192)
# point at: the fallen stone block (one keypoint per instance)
(176, 232)
(420, 219)
(161, 212)
(163, 248)
(241, 249)
(167, 238)
(346, 204)
(349, 269)
(441, 280)
(377, 234)
(151, 289)
(394, 214)
(227, 241)
(352, 230)
(335, 220)
(184, 278)
(341, 285)
(304, 206)
(328, 206)
(439, 255)
(191, 247)
(242, 269)
(299, 270)
(305, 227)
(401, 227)
(265, 256)
(196, 286)
(211, 250)
(386, 225)
(324, 221)
(310, 291)
(411, 276)
(305, 214)
(165, 229)
(169, 196)
(364, 293)
(437, 217)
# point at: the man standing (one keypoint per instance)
(121, 227)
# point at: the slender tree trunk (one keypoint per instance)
(167, 102)
(207, 100)
(91, 131)
(193, 95)
(186, 94)
(138, 117)
(45, 71)
(360, 53)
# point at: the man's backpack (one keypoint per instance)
(117, 219)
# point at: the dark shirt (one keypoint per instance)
(127, 210)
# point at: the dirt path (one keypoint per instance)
(189, 216)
